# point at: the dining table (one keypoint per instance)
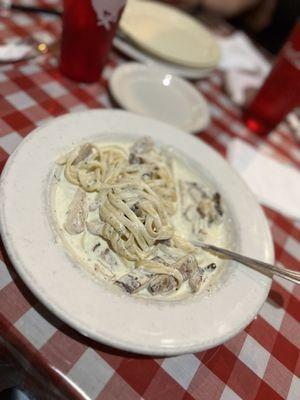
(42, 355)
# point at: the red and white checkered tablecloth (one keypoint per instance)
(261, 363)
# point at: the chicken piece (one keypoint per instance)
(95, 227)
(141, 146)
(77, 214)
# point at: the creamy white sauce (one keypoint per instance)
(86, 249)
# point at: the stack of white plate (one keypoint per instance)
(156, 33)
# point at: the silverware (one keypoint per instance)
(7, 6)
(35, 10)
(260, 266)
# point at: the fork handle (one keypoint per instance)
(36, 10)
(288, 274)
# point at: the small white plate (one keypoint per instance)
(152, 92)
(137, 54)
(169, 33)
(92, 308)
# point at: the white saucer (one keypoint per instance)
(169, 33)
(138, 55)
(152, 92)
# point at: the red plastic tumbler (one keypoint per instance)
(89, 27)
(280, 93)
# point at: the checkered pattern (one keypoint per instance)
(262, 362)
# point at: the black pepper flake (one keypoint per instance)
(134, 208)
(217, 201)
(134, 159)
(96, 246)
(211, 267)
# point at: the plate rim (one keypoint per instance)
(136, 348)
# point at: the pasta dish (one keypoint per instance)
(130, 212)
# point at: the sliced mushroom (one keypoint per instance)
(109, 258)
(162, 284)
(196, 279)
(196, 191)
(95, 227)
(105, 262)
(134, 207)
(183, 245)
(165, 242)
(98, 199)
(99, 267)
(170, 254)
(84, 152)
(160, 260)
(187, 266)
(77, 214)
(190, 213)
(218, 204)
(207, 210)
(200, 227)
(143, 145)
(168, 154)
(135, 159)
(134, 281)
(64, 158)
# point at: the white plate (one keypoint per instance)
(138, 55)
(134, 324)
(170, 34)
(152, 92)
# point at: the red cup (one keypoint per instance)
(280, 93)
(89, 27)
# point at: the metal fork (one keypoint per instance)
(260, 266)
(6, 6)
